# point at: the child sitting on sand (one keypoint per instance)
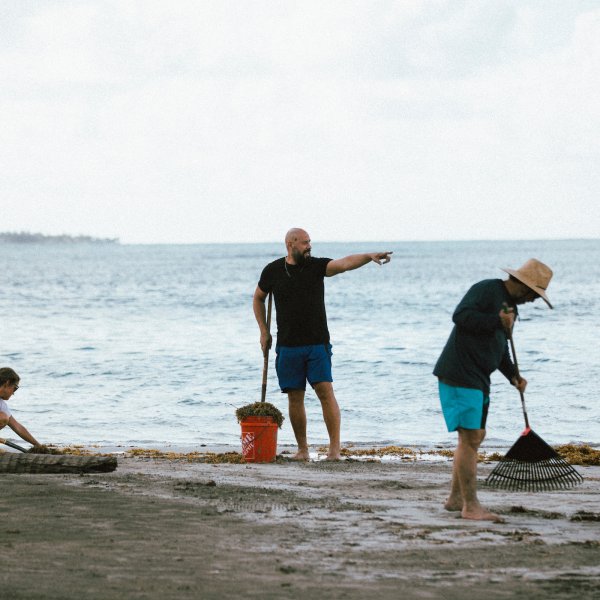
(9, 384)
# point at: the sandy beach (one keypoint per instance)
(158, 528)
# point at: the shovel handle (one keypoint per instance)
(263, 394)
(15, 446)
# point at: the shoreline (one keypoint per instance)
(160, 528)
(576, 454)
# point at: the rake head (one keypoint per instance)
(532, 465)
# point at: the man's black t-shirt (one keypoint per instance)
(299, 293)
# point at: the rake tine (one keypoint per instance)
(549, 474)
(531, 464)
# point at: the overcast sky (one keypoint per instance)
(224, 121)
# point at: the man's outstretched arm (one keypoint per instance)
(355, 261)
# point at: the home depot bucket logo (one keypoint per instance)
(248, 444)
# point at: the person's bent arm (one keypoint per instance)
(4, 419)
(260, 313)
(21, 431)
(355, 261)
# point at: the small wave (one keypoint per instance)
(417, 363)
(57, 374)
(198, 402)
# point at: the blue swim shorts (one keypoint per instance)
(295, 365)
(463, 408)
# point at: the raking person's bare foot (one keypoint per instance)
(453, 504)
(481, 514)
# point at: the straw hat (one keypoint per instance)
(535, 275)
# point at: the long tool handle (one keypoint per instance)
(263, 394)
(512, 348)
(15, 446)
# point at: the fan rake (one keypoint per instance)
(531, 465)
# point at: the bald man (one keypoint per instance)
(303, 347)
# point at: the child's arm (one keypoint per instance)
(21, 431)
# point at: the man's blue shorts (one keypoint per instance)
(463, 408)
(297, 364)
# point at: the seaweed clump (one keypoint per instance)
(402, 452)
(574, 454)
(224, 457)
(70, 450)
(260, 409)
(493, 457)
(386, 451)
(200, 457)
(582, 454)
(43, 449)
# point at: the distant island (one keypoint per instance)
(24, 237)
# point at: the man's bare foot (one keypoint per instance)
(481, 514)
(453, 504)
(301, 455)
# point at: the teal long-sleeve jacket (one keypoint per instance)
(477, 345)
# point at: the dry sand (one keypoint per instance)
(172, 529)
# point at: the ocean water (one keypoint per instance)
(157, 345)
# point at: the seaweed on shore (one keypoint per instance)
(43, 449)
(202, 457)
(224, 457)
(76, 450)
(399, 451)
(493, 457)
(408, 453)
(575, 454)
(584, 515)
(582, 454)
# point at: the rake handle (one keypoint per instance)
(263, 394)
(514, 354)
(15, 446)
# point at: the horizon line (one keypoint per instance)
(366, 241)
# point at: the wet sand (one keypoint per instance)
(158, 528)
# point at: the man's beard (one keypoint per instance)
(300, 258)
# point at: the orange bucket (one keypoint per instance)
(259, 439)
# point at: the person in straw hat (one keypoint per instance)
(477, 346)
